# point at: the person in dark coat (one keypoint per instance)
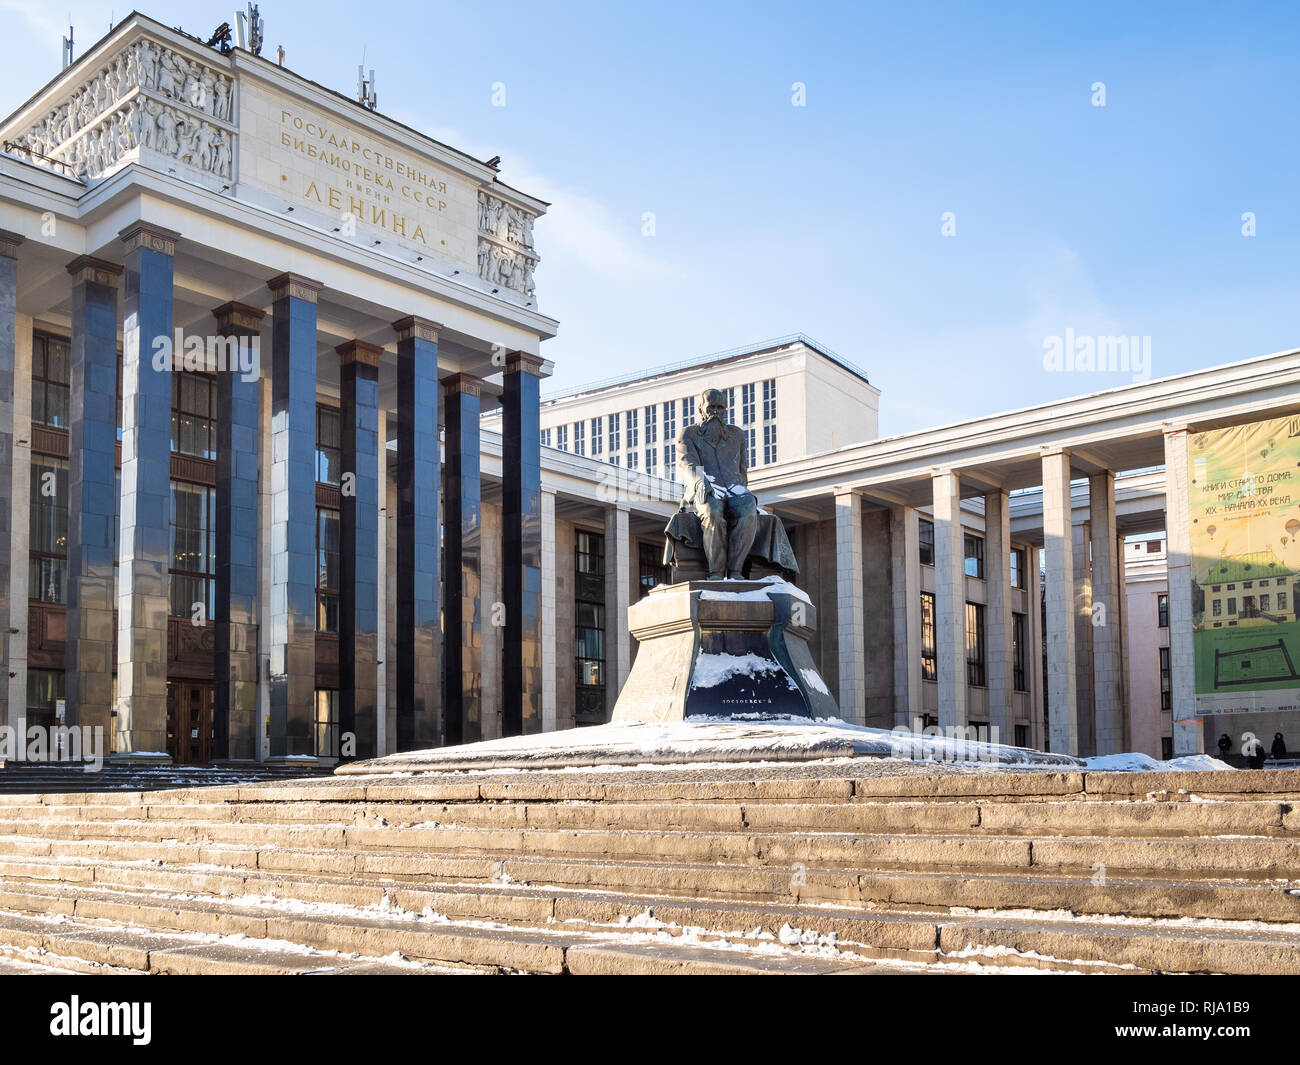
(1279, 747)
(1225, 745)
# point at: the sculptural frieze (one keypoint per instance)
(148, 96)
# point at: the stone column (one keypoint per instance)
(359, 548)
(1058, 543)
(905, 574)
(144, 550)
(849, 607)
(549, 623)
(998, 622)
(9, 243)
(1034, 661)
(419, 622)
(1189, 733)
(521, 703)
(1082, 587)
(1107, 612)
(950, 600)
(92, 436)
(493, 610)
(20, 541)
(618, 637)
(293, 516)
(238, 539)
(382, 702)
(462, 523)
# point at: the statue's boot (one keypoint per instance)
(715, 576)
(735, 575)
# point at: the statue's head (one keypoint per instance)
(713, 404)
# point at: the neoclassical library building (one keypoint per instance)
(280, 481)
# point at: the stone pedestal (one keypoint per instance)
(723, 648)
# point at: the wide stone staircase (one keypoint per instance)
(849, 868)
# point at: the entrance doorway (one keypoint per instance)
(189, 721)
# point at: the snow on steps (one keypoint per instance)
(1078, 871)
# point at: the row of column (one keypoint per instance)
(1083, 586)
(282, 627)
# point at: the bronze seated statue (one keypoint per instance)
(720, 532)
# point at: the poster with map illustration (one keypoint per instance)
(1245, 520)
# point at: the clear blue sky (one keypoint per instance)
(826, 219)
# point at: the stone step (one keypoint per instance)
(1160, 946)
(363, 848)
(982, 818)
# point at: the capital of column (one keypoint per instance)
(462, 384)
(359, 351)
(522, 362)
(294, 286)
(148, 235)
(1047, 451)
(9, 244)
(234, 315)
(414, 327)
(98, 271)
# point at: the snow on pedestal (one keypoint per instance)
(714, 649)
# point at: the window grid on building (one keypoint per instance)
(925, 538)
(50, 381)
(670, 420)
(579, 438)
(769, 400)
(929, 648)
(1019, 641)
(328, 543)
(1162, 610)
(1166, 681)
(562, 437)
(192, 587)
(651, 424)
(546, 438)
(47, 571)
(630, 423)
(751, 445)
(597, 436)
(769, 444)
(974, 549)
(975, 662)
(688, 411)
(747, 404)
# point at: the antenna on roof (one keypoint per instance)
(366, 89)
(249, 29)
(67, 46)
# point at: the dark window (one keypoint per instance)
(1017, 567)
(327, 723)
(974, 555)
(747, 404)
(688, 411)
(630, 422)
(929, 651)
(47, 568)
(579, 438)
(597, 440)
(1166, 747)
(329, 445)
(194, 415)
(1019, 642)
(193, 544)
(926, 539)
(1166, 681)
(1022, 735)
(589, 644)
(651, 568)
(589, 552)
(975, 644)
(614, 444)
(1162, 610)
(44, 689)
(327, 569)
(769, 399)
(49, 381)
(769, 444)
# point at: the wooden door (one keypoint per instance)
(189, 721)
